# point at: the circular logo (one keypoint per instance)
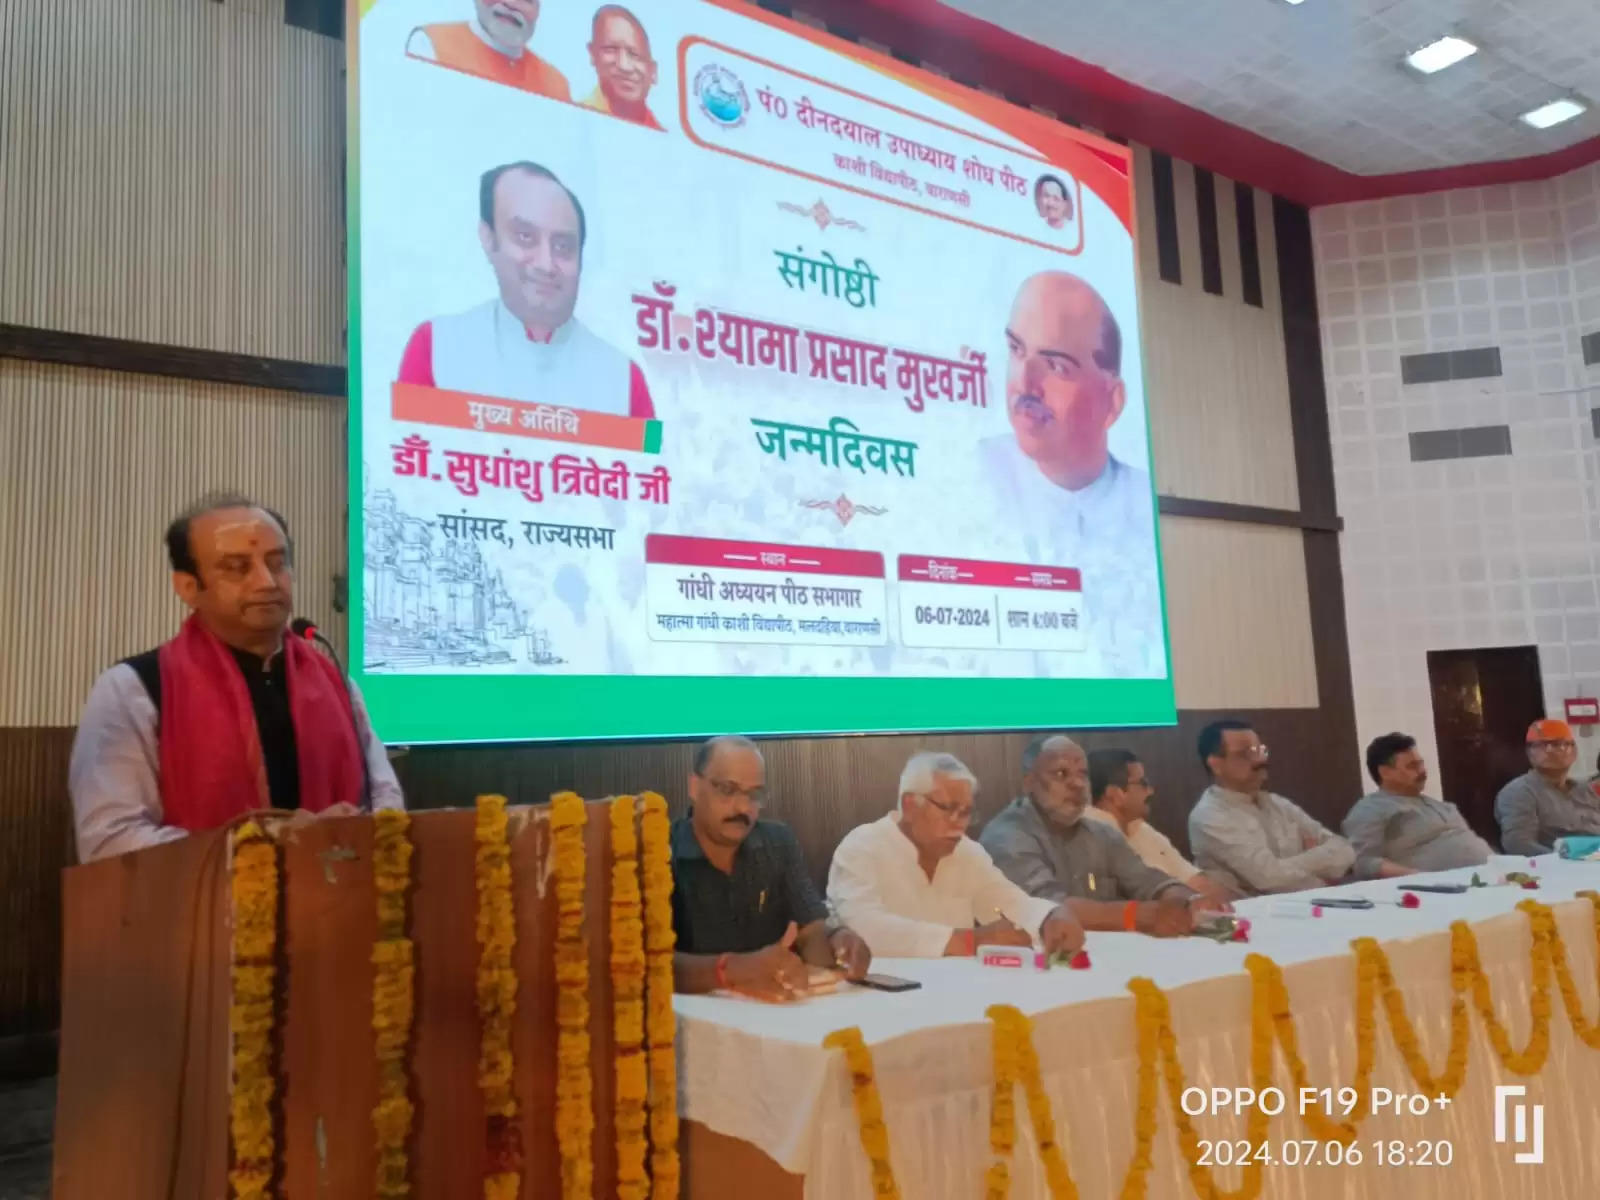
(722, 96)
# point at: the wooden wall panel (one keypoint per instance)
(35, 844)
(172, 171)
(1215, 374)
(1238, 615)
(93, 465)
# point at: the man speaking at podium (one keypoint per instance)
(230, 716)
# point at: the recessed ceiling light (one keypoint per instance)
(1437, 55)
(1554, 113)
(1294, 1)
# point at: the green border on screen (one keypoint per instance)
(417, 709)
(414, 709)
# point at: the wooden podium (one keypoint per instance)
(143, 1102)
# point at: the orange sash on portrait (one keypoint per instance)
(456, 46)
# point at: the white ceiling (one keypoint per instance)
(1325, 76)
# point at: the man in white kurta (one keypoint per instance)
(913, 885)
(525, 344)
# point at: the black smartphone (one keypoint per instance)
(1341, 902)
(1444, 889)
(887, 983)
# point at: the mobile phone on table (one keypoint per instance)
(1444, 889)
(1340, 902)
(887, 983)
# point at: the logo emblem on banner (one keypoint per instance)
(722, 96)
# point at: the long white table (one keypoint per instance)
(759, 1074)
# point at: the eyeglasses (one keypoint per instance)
(728, 790)
(1258, 751)
(960, 816)
(1556, 745)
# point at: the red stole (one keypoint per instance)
(211, 765)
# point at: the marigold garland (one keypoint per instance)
(1017, 1060)
(869, 1109)
(393, 977)
(1268, 988)
(252, 1011)
(661, 1022)
(1588, 1032)
(627, 1003)
(1003, 1107)
(574, 1085)
(497, 1001)
(1158, 1045)
(1374, 979)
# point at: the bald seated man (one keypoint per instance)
(1043, 844)
(1064, 392)
(745, 910)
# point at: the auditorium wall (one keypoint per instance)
(171, 320)
(1462, 343)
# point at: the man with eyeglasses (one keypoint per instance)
(745, 910)
(916, 886)
(1255, 840)
(1120, 795)
(1043, 844)
(1547, 803)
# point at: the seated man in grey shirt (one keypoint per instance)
(1044, 846)
(1397, 830)
(1537, 808)
(1249, 837)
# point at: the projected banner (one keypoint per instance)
(711, 373)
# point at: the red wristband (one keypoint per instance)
(1130, 916)
(722, 970)
(969, 941)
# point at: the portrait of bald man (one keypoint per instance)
(1058, 489)
(1064, 392)
(624, 70)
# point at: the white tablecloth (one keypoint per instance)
(759, 1073)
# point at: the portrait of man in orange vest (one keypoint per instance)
(493, 46)
(619, 48)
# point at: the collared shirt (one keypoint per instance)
(1154, 848)
(114, 774)
(1257, 843)
(1533, 813)
(714, 912)
(1414, 831)
(1087, 861)
(878, 888)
